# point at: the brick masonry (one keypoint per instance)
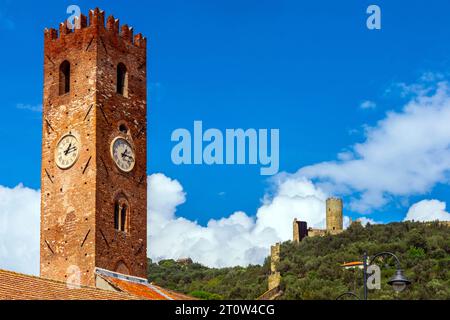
(77, 204)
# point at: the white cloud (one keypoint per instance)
(422, 87)
(364, 221)
(224, 242)
(368, 105)
(19, 229)
(428, 210)
(239, 239)
(406, 153)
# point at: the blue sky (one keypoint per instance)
(302, 67)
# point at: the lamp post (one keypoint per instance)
(398, 282)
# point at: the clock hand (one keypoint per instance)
(67, 150)
(127, 156)
(72, 150)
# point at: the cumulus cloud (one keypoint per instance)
(364, 221)
(19, 229)
(428, 210)
(224, 242)
(406, 153)
(238, 239)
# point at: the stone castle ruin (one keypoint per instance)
(334, 222)
(275, 276)
(334, 226)
(274, 280)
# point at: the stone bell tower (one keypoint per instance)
(93, 180)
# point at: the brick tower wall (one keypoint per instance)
(126, 249)
(77, 210)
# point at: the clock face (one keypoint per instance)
(123, 154)
(67, 151)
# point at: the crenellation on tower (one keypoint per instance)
(96, 22)
(140, 40)
(64, 29)
(96, 18)
(50, 34)
(81, 21)
(112, 24)
(127, 33)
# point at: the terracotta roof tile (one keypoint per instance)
(147, 291)
(16, 286)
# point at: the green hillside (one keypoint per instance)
(311, 270)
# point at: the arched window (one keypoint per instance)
(121, 215)
(64, 77)
(123, 128)
(122, 80)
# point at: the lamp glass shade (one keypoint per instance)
(399, 286)
(399, 281)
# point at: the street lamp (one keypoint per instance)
(398, 282)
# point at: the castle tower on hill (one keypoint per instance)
(334, 216)
(334, 222)
(94, 147)
(300, 229)
(275, 276)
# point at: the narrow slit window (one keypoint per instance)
(121, 215)
(122, 80)
(123, 218)
(116, 216)
(64, 77)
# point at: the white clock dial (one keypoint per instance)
(123, 154)
(67, 151)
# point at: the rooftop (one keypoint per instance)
(17, 286)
